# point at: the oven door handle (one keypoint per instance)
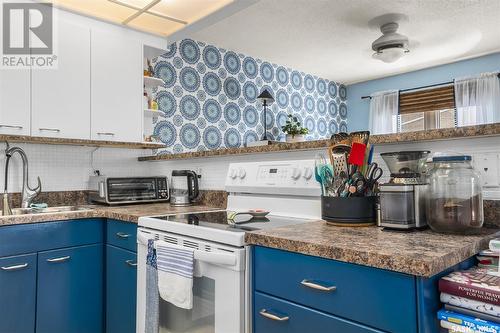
(208, 257)
(142, 239)
(215, 258)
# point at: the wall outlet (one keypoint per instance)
(488, 165)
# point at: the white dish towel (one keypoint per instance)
(175, 274)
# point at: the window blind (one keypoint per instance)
(434, 99)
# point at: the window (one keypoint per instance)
(427, 109)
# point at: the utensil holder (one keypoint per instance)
(350, 211)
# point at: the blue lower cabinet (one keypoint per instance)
(121, 290)
(70, 290)
(274, 315)
(18, 293)
(374, 297)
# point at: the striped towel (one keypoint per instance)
(175, 274)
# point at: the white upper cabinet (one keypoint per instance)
(14, 98)
(61, 97)
(116, 86)
(15, 101)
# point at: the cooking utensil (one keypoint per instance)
(319, 161)
(370, 155)
(341, 138)
(338, 157)
(357, 155)
(360, 137)
(373, 174)
(326, 175)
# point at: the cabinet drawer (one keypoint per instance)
(273, 315)
(122, 234)
(378, 298)
(26, 238)
(17, 293)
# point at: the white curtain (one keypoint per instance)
(384, 112)
(477, 99)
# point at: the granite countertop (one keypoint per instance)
(420, 253)
(80, 142)
(128, 213)
(429, 135)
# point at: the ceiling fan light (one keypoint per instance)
(390, 54)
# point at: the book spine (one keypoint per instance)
(469, 322)
(470, 292)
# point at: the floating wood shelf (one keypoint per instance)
(152, 82)
(80, 142)
(152, 113)
(431, 135)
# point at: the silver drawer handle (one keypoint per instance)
(50, 129)
(122, 235)
(269, 315)
(317, 286)
(131, 262)
(106, 133)
(60, 259)
(14, 267)
(11, 126)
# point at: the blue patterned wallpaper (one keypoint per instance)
(209, 101)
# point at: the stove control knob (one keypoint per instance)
(307, 173)
(296, 173)
(242, 173)
(233, 174)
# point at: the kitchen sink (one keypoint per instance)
(60, 209)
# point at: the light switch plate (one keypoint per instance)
(488, 165)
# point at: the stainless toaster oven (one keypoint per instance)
(122, 190)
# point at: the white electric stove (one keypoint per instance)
(287, 189)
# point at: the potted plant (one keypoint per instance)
(294, 130)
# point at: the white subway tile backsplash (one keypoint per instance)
(64, 168)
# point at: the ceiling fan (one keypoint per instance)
(391, 46)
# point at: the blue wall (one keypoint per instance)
(208, 100)
(357, 117)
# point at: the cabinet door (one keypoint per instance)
(15, 101)
(14, 98)
(17, 294)
(121, 290)
(116, 86)
(61, 96)
(70, 290)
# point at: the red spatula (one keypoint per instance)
(357, 155)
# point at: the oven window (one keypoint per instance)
(123, 189)
(200, 319)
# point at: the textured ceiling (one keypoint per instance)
(332, 39)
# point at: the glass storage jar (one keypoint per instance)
(454, 198)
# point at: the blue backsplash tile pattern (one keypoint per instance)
(208, 100)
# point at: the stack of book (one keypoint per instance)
(488, 259)
(471, 301)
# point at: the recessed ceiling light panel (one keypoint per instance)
(160, 17)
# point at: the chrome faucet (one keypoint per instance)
(28, 193)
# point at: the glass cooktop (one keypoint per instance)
(243, 222)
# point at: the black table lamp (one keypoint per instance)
(267, 99)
